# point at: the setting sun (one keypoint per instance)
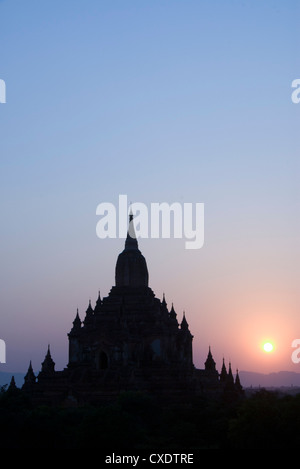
(268, 347)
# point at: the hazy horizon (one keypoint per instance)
(173, 101)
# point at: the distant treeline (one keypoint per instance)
(138, 422)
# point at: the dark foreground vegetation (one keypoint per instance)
(138, 422)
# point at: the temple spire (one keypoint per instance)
(48, 364)
(131, 267)
(89, 314)
(184, 324)
(237, 382)
(173, 313)
(210, 364)
(97, 308)
(223, 374)
(131, 241)
(29, 378)
(12, 386)
(76, 322)
(230, 375)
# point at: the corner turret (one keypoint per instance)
(210, 364)
(48, 364)
(29, 378)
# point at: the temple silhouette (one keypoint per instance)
(130, 341)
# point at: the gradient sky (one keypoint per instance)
(164, 101)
